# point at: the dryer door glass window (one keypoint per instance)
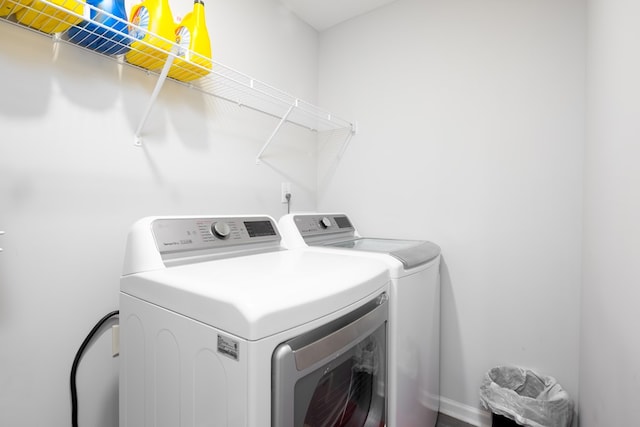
(345, 395)
(334, 376)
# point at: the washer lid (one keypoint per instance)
(411, 253)
(259, 295)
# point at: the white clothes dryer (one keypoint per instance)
(222, 327)
(414, 311)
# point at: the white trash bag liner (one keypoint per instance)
(526, 397)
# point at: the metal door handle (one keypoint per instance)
(1, 233)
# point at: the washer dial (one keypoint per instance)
(325, 223)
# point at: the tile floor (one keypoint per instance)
(447, 421)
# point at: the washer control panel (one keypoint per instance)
(192, 234)
(319, 224)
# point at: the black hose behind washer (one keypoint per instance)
(76, 361)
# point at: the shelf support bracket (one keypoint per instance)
(156, 90)
(347, 140)
(275, 131)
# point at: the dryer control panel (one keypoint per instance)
(184, 234)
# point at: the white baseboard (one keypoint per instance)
(466, 413)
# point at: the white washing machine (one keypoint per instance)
(414, 312)
(222, 327)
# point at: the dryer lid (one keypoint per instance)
(411, 253)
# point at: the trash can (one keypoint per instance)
(521, 397)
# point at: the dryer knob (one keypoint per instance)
(325, 222)
(221, 230)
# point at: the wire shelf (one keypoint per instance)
(91, 28)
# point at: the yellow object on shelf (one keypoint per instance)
(50, 19)
(194, 54)
(7, 7)
(153, 34)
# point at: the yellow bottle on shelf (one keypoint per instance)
(7, 7)
(153, 34)
(194, 54)
(50, 19)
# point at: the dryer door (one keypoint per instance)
(334, 376)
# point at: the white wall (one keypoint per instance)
(71, 183)
(471, 118)
(471, 128)
(610, 348)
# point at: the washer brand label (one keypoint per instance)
(228, 347)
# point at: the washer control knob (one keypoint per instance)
(325, 223)
(221, 230)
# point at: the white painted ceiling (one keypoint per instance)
(322, 14)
